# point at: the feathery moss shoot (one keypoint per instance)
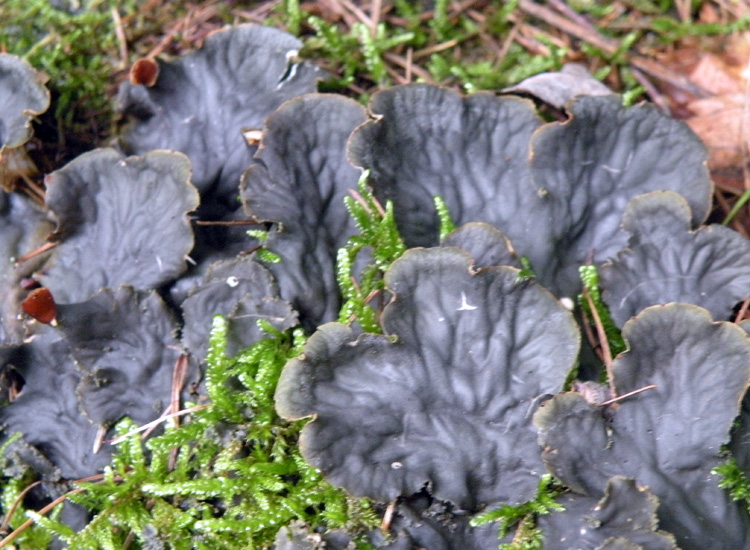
(447, 226)
(378, 234)
(229, 477)
(527, 536)
(590, 279)
(735, 480)
(264, 255)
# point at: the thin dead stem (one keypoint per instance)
(122, 40)
(376, 7)
(44, 511)
(16, 503)
(593, 37)
(626, 395)
(603, 342)
(34, 253)
(743, 311)
(154, 423)
(744, 138)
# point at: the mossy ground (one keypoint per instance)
(86, 48)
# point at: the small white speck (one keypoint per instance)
(583, 531)
(441, 319)
(567, 303)
(464, 304)
(396, 465)
(291, 68)
(611, 169)
(233, 281)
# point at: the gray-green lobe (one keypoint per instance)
(667, 262)
(668, 437)
(589, 167)
(119, 221)
(298, 181)
(201, 103)
(22, 96)
(449, 402)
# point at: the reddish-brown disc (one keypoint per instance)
(40, 305)
(144, 71)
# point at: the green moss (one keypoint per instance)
(523, 516)
(263, 254)
(229, 477)
(735, 480)
(590, 279)
(446, 221)
(353, 54)
(75, 44)
(671, 29)
(527, 271)
(232, 474)
(378, 234)
(13, 485)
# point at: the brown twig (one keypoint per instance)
(16, 503)
(357, 197)
(376, 7)
(153, 423)
(397, 77)
(435, 48)
(567, 11)
(122, 40)
(101, 431)
(590, 336)
(603, 342)
(629, 394)
(385, 525)
(34, 253)
(745, 137)
(507, 43)
(409, 64)
(743, 311)
(684, 7)
(16, 533)
(411, 69)
(651, 90)
(228, 222)
(257, 15)
(128, 540)
(356, 12)
(650, 67)
(34, 191)
(49, 507)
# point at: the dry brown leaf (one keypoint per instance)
(722, 122)
(714, 74)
